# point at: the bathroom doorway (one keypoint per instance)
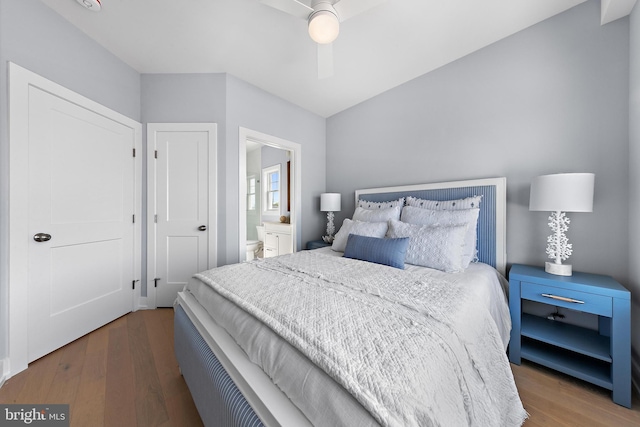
(264, 162)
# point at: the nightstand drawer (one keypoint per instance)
(575, 300)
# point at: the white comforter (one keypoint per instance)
(411, 351)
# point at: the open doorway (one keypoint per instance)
(265, 159)
(268, 198)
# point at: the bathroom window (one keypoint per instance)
(251, 193)
(271, 185)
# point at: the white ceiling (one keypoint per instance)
(375, 51)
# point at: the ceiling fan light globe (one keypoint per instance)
(324, 27)
(92, 5)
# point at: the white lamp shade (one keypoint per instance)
(330, 202)
(565, 192)
(324, 26)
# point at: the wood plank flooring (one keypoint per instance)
(126, 374)
(123, 374)
(555, 399)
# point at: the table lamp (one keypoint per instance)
(330, 203)
(560, 193)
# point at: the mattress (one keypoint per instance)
(323, 401)
(317, 394)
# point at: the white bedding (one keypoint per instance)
(323, 401)
(434, 356)
(489, 288)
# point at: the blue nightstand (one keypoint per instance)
(317, 244)
(601, 357)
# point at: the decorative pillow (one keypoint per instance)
(379, 205)
(434, 246)
(377, 215)
(370, 229)
(389, 252)
(467, 217)
(448, 205)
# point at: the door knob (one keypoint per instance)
(42, 237)
(202, 228)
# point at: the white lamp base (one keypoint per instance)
(558, 269)
(331, 229)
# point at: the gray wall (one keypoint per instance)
(255, 109)
(552, 98)
(36, 38)
(233, 103)
(634, 181)
(179, 98)
(556, 97)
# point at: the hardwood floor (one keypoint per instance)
(555, 399)
(125, 374)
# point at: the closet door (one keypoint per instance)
(74, 194)
(183, 233)
(81, 206)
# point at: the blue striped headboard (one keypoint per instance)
(492, 218)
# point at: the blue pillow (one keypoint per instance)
(389, 252)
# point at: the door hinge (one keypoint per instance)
(155, 154)
(134, 218)
(155, 218)
(134, 152)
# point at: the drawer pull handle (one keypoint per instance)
(565, 299)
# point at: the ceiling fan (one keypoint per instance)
(324, 17)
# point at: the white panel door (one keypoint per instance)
(81, 202)
(183, 229)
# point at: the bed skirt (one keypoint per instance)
(218, 400)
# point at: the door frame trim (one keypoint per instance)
(20, 79)
(296, 185)
(152, 128)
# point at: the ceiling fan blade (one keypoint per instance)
(292, 7)
(348, 8)
(325, 60)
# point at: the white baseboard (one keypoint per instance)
(142, 304)
(4, 371)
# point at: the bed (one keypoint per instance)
(325, 337)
